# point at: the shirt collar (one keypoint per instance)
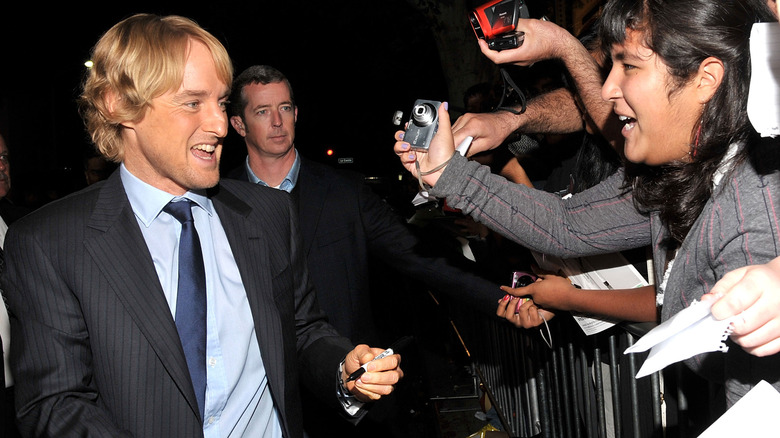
(289, 181)
(148, 201)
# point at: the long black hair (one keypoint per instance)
(683, 33)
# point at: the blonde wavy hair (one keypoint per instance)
(138, 59)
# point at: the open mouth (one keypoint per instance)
(205, 151)
(628, 122)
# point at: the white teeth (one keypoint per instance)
(628, 121)
(206, 147)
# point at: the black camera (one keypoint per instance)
(423, 124)
(496, 23)
(522, 279)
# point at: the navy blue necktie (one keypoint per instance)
(191, 300)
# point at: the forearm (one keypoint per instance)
(554, 112)
(588, 80)
(635, 305)
(391, 240)
(600, 220)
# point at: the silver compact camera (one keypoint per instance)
(423, 124)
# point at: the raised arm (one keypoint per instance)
(558, 111)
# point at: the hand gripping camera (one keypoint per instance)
(423, 124)
(522, 279)
(496, 23)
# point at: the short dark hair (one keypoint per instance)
(256, 74)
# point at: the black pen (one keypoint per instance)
(359, 372)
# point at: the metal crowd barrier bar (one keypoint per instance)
(581, 387)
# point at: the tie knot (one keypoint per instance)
(181, 210)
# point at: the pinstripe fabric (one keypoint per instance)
(96, 350)
(739, 226)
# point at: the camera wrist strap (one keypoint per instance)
(420, 173)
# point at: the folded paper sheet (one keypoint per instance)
(690, 332)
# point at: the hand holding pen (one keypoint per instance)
(372, 373)
(356, 375)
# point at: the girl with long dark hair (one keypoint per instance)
(698, 185)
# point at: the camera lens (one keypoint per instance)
(423, 114)
(524, 281)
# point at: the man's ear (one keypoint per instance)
(709, 78)
(238, 125)
(112, 102)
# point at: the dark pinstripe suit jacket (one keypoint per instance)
(95, 350)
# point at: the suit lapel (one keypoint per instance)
(250, 250)
(119, 250)
(313, 189)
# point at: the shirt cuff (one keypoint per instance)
(348, 401)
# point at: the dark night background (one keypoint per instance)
(351, 65)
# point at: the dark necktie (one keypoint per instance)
(191, 301)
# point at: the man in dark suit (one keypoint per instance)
(343, 222)
(110, 338)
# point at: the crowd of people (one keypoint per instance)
(165, 299)
(696, 184)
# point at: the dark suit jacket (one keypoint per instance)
(96, 351)
(344, 223)
(10, 213)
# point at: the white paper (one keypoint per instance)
(754, 415)
(691, 331)
(763, 104)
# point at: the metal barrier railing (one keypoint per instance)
(582, 386)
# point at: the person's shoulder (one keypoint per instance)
(63, 212)
(245, 188)
(760, 166)
(744, 180)
(11, 212)
(235, 192)
(238, 172)
(325, 170)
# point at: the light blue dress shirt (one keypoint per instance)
(289, 181)
(238, 399)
